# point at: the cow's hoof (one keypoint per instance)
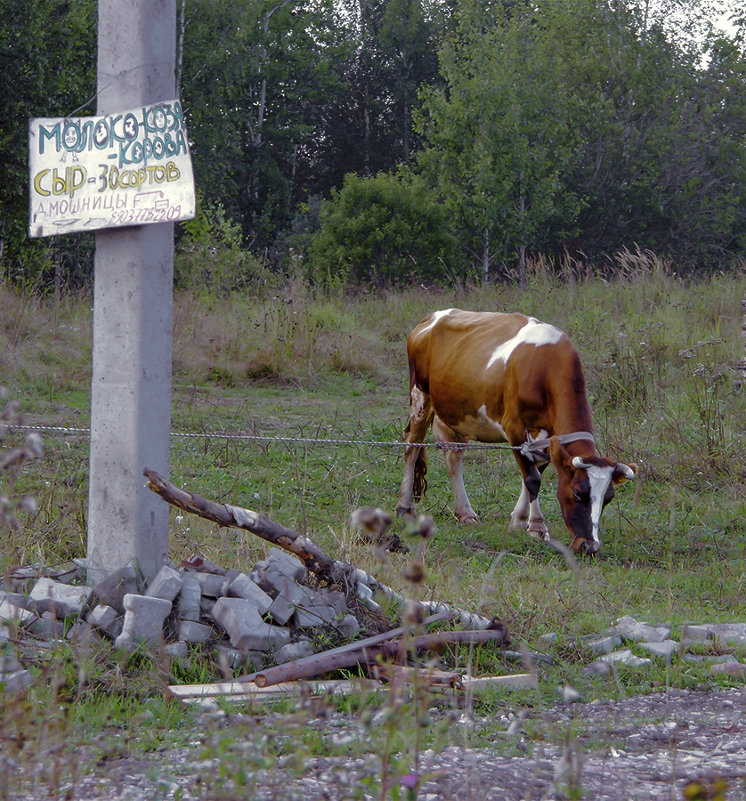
(403, 513)
(472, 520)
(538, 533)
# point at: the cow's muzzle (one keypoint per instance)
(585, 547)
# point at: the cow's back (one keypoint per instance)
(474, 367)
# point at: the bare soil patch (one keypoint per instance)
(646, 748)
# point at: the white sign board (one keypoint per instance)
(122, 169)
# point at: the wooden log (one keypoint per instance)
(358, 645)
(314, 558)
(319, 664)
(423, 677)
(224, 514)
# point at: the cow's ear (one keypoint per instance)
(559, 456)
(623, 472)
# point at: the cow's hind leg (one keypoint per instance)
(455, 464)
(413, 484)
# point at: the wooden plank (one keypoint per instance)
(244, 691)
(513, 681)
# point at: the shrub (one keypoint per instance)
(387, 229)
(211, 255)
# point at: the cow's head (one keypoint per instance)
(584, 486)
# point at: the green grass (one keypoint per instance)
(659, 357)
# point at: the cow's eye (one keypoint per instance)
(577, 495)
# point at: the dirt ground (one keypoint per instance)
(643, 747)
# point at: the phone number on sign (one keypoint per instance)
(135, 216)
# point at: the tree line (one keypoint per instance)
(392, 140)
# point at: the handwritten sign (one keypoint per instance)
(122, 169)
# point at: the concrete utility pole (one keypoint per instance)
(132, 315)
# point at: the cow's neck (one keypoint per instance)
(572, 413)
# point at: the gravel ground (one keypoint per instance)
(643, 747)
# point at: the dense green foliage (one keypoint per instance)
(551, 128)
(382, 229)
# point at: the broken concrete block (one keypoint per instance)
(47, 626)
(62, 599)
(211, 584)
(188, 600)
(663, 650)
(10, 613)
(348, 627)
(107, 619)
(733, 633)
(245, 627)
(15, 598)
(231, 659)
(596, 668)
(177, 650)
(694, 633)
(15, 682)
(286, 563)
(333, 598)
(624, 657)
(206, 605)
(326, 608)
(143, 621)
(314, 615)
(735, 669)
(165, 584)
(288, 599)
(632, 630)
(9, 662)
(191, 631)
(293, 651)
(83, 632)
(243, 587)
(601, 645)
(114, 587)
(271, 573)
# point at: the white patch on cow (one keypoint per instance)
(483, 416)
(480, 427)
(416, 402)
(434, 317)
(533, 333)
(599, 478)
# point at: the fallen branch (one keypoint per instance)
(358, 645)
(314, 558)
(318, 664)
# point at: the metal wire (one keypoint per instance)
(291, 440)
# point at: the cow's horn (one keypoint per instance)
(629, 472)
(579, 462)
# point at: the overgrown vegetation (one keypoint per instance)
(463, 136)
(659, 354)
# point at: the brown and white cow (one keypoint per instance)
(491, 377)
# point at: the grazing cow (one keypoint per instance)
(493, 377)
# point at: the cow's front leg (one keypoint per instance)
(455, 465)
(527, 515)
(527, 512)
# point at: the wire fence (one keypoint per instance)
(283, 440)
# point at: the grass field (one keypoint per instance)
(659, 355)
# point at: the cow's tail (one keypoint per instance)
(419, 487)
(419, 483)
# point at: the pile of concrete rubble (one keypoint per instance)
(251, 620)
